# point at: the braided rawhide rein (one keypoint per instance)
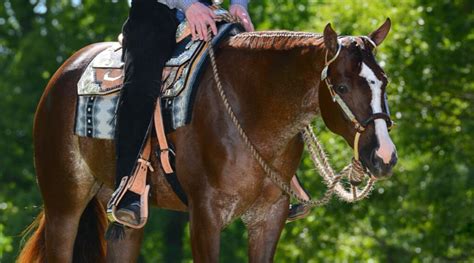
(354, 171)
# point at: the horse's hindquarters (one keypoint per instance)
(66, 184)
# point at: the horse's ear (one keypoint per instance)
(330, 39)
(381, 33)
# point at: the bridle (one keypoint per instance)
(359, 127)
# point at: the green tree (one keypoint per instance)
(424, 213)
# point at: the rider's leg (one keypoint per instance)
(296, 186)
(298, 211)
(149, 39)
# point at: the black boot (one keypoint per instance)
(133, 124)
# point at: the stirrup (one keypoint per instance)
(112, 206)
(297, 211)
(136, 184)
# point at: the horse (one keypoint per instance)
(273, 84)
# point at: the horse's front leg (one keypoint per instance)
(205, 230)
(264, 223)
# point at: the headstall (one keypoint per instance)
(359, 127)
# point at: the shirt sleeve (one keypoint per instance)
(243, 3)
(179, 4)
(184, 4)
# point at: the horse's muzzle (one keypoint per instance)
(379, 168)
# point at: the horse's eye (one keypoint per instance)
(341, 89)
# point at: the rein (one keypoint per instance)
(354, 171)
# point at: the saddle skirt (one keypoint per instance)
(99, 86)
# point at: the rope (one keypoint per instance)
(355, 172)
(273, 175)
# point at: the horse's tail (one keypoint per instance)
(34, 249)
(90, 243)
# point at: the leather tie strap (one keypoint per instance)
(162, 141)
(138, 181)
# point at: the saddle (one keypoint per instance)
(179, 71)
(98, 91)
(107, 70)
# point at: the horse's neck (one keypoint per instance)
(275, 91)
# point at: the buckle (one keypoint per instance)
(146, 163)
(167, 150)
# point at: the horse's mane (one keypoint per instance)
(274, 40)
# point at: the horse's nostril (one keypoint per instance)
(394, 159)
(373, 158)
(378, 167)
(376, 162)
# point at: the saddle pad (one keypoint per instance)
(99, 86)
(95, 116)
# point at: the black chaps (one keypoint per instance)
(149, 40)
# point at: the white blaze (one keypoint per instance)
(386, 146)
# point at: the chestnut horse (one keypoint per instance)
(273, 83)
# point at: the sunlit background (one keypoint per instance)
(424, 213)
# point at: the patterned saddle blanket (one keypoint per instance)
(99, 87)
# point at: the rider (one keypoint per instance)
(149, 40)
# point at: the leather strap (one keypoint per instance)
(162, 141)
(135, 183)
(378, 115)
(138, 181)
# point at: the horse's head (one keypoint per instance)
(353, 97)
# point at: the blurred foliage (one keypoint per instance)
(424, 213)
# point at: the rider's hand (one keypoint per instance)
(199, 18)
(241, 12)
